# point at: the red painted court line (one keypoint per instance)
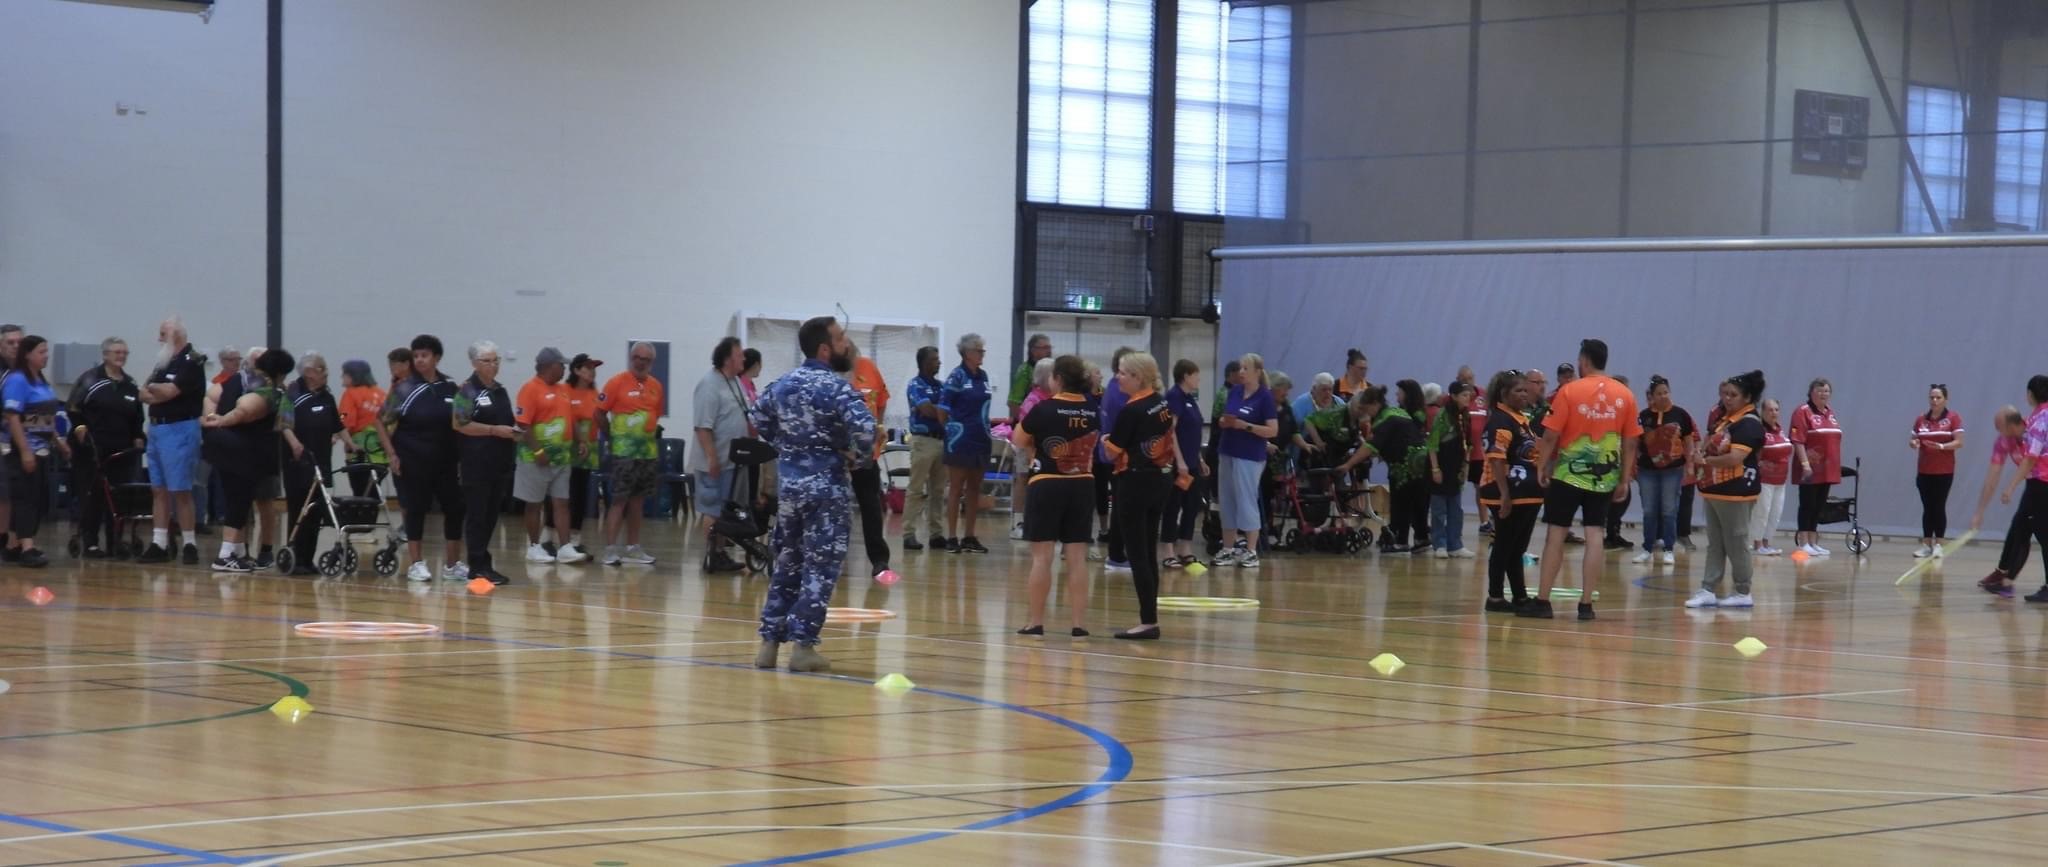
(815, 762)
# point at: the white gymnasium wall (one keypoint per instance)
(108, 221)
(529, 171)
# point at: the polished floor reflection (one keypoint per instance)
(587, 715)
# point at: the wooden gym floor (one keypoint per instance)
(611, 717)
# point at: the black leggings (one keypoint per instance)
(1183, 511)
(30, 495)
(94, 518)
(482, 500)
(1510, 543)
(423, 483)
(1140, 501)
(238, 491)
(2034, 505)
(1685, 497)
(1410, 508)
(867, 494)
(299, 479)
(2019, 544)
(1934, 504)
(1615, 511)
(1811, 498)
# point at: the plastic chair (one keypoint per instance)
(682, 486)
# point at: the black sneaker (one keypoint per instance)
(33, 558)
(495, 577)
(266, 557)
(719, 561)
(155, 553)
(93, 552)
(1585, 611)
(971, 545)
(234, 564)
(941, 543)
(910, 543)
(2040, 595)
(1486, 529)
(191, 556)
(1500, 605)
(1538, 609)
(1617, 543)
(1574, 539)
(10, 555)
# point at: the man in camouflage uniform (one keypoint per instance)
(818, 423)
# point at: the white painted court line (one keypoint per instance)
(1618, 704)
(1793, 697)
(1188, 782)
(664, 829)
(1429, 847)
(410, 654)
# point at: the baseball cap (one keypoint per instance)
(549, 355)
(582, 359)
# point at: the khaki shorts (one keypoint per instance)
(533, 483)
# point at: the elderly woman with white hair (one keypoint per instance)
(106, 412)
(316, 428)
(965, 398)
(418, 434)
(483, 414)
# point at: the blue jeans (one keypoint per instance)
(1446, 521)
(1659, 492)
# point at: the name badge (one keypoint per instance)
(484, 400)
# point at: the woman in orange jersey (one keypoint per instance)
(361, 401)
(1059, 437)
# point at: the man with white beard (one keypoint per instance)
(175, 393)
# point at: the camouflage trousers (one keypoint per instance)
(809, 546)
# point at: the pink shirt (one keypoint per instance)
(2006, 449)
(2036, 442)
(1031, 400)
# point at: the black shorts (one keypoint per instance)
(1060, 510)
(1564, 501)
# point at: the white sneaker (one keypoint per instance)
(1922, 553)
(1739, 600)
(537, 554)
(1249, 560)
(1017, 530)
(1441, 554)
(1668, 559)
(1226, 557)
(1463, 554)
(1643, 557)
(1937, 553)
(1817, 549)
(1703, 599)
(456, 571)
(1813, 550)
(636, 556)
(1769, 551)
(419, 572)
(611, 555)
(570, 554)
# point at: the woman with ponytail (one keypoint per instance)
(1727, 477)
(1508, 492)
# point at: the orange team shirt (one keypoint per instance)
(360, 405)
(867, 379)
(544, 410)
(635, 408)
(1592, 416)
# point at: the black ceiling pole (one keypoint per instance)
(273, 284)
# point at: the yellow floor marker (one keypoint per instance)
(1386, 663)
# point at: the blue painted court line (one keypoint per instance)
(198, 857)
(1118, 768)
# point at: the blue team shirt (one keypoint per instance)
(38, 406)
(966, 398)
(924, 390)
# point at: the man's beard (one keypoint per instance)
(163, 356)
(842, 362)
